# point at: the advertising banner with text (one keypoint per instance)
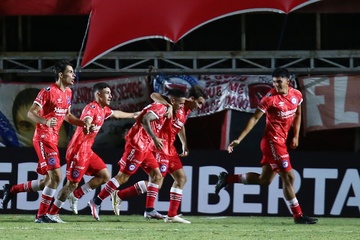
(331, 102)
(129, 94)
(225, 92)
(326, 184)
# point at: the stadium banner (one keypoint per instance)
(225, 92)
(325, 186)
(330, 101)
(129, 94)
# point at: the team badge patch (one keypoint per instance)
(163, 168)
(68, 100)
(294, 100)
(131, 167)
(285, 164)
(51, 161)
(75, 173)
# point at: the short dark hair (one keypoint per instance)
(60, 66)
(100, 86)
(174, 92)
(281, 72)
(197, 91)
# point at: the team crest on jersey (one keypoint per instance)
(68, 100)
(285, 164)
(51, 161)
(75, 173)
(131, 167)
(294, 100)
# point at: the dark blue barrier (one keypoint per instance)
(327, 184)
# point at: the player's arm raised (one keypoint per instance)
(156, 97)
(249, 126)
(70, 118)
(121, 114)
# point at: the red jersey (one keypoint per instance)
(171, 128)
(98, 116)
(280, 112)
(137, 137)
(54, 102)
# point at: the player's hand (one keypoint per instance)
(158, 142)
(136, 114)
(169, 112)
(51, 122)
(185, 152)
(294, 143)
(232, 145)
(89, 128)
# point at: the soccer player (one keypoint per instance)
(282, 108)
(137, 153)
(80, 158)
(50, 108)
(168, 159)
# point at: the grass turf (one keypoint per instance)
(202, 227)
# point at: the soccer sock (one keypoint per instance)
(152, 192)
(175, 200)
(46, 198)
(109, 188)
(55, 208)
(237, 178)
(81, 191)
(30, 186)
(135, 190)
(295, 208)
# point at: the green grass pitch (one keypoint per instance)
(202, 227)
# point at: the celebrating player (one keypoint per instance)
(80, 158)
(168, 159)
(282, 108)
(137, 154)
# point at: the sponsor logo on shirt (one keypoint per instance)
(294, 100)
(52, 154)
(60, 111)
(287, 114)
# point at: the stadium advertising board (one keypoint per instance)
(327, 184)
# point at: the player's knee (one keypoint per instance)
(56, 179)
(264, 182)
(106, 177)
(181, 181)
(156, 178)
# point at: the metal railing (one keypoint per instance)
(189, 62)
